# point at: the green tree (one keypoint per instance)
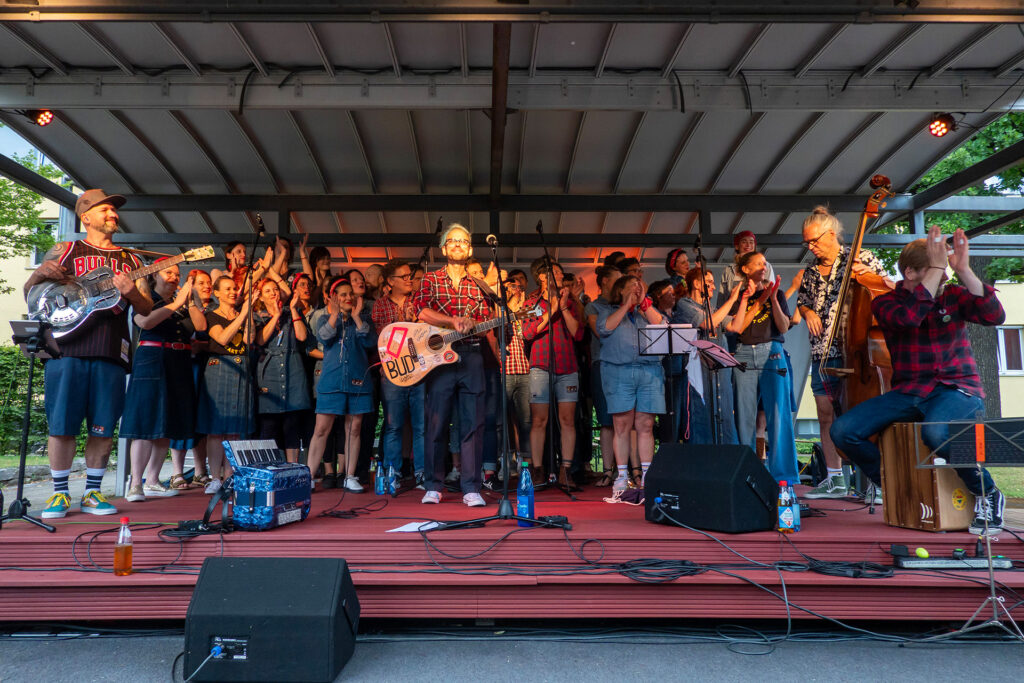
(998, 135)
(21, 228)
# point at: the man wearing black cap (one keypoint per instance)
(88, 381)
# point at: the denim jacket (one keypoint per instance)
(346, 363)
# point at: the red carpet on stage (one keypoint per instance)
(480, 573)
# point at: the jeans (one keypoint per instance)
(458, 387)
(492, 406)
(399, 403)
(517, 391)
(767, 376)
(851, 431)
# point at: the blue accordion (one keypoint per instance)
(268, 490)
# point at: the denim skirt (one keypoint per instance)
(223, 408)
(161, 398)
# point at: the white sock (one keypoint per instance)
(837, 472)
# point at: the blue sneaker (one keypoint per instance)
(56, 506)
(93, 503)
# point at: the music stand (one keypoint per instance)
(36, 341)
(968, 444)
(667, 340)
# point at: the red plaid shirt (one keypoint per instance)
(386, 311)
(565, 353)
(438, 294)
(927, 336)
(518, 363)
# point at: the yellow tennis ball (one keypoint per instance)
(922, 553)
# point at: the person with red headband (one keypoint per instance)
(88, 382)
(344, 388)
(160, 404)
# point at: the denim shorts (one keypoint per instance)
(831, 385)
(343, 403)
(90, 389)
(639, 386)
(567, 387)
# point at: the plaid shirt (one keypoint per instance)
(438, 294)
(518, 364)
(927, 336)
(386, 311)
(565, 353)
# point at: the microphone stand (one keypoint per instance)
(426, 250)
(554, 432)
(505, 509)
(247, 285)
(713, 394)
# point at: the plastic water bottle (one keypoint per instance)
(787, 519)
(123, 550)
(796, 508)
(392, 481)
(379, 485)
(524, 495)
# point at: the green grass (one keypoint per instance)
(1010, 480)
(12, 460)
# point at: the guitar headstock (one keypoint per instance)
(199, 254)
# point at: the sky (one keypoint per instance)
(11, 143)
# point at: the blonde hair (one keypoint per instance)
(822, 217)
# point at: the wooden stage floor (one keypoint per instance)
(490, 573)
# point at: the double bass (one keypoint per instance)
(868, 370)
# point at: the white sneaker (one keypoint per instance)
(158, 491)
(431, 497)
(453, 476)
(135, 495)
(352, 484)
(474, 500)
(214, 486)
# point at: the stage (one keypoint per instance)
(602, 568)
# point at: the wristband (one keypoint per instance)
(296, 320)
(645, 304)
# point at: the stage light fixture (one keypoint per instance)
(40, 117)
(941, 124)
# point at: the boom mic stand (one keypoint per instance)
(505, 509)
(556, 456)
(248, 326)
(35, 339)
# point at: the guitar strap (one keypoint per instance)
(146, 252)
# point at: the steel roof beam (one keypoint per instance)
(393, 51)
(104, 46)
(549, 91)
(500, 59)
(320, 51)
(958, 52)
(667, 69)
(177, 49)
(627, 203)
(362, 151)
(248, 49)
(1009, 65)
(599, 70)
(45, 187)
(807, 62)
(894, 46)
(30, 44)
(257, 151)
(416, 152)
(737, 65)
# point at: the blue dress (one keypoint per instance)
(161, 399)
(280, 372)
(346, 385)
(225, 401)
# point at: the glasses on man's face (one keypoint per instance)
(808, 243)
(406, 277)
(461, 243)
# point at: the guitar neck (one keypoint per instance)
(148, 270)
(453, 336)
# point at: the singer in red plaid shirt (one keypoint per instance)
(551, 338)
(450, 298)
(935, 379)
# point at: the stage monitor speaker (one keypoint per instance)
(715, 488)
(276, 619)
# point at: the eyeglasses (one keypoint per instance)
(407, 276)
(461, 243)
(808, 243)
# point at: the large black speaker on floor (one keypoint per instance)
(716, 488)
(276, 619)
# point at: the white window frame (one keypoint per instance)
(1002, 349)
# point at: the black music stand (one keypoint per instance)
(668, 340)
(36, 341)
(968, 445)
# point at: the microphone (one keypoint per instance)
(492, 240)
(260, 228)
(540, 226)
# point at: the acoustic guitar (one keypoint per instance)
(67, 304)
(409, 351)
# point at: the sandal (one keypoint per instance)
(201, 481)
(636, 481)
(607, 478)
(178, 483)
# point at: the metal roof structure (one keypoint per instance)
(636, 124)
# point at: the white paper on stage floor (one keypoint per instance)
(414, 527)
